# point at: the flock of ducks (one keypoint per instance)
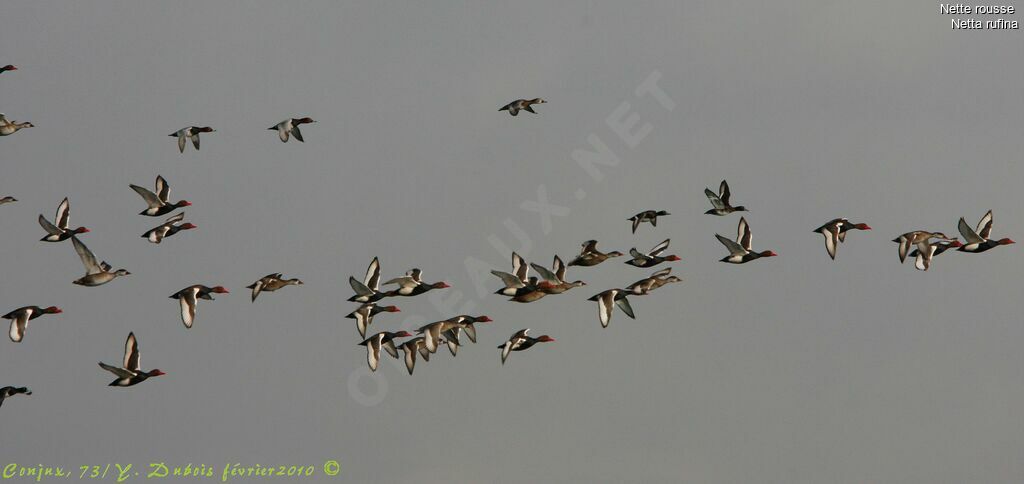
(518, 285)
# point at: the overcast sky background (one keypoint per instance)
(794, 369)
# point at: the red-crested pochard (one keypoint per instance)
(364, 315)
(21, 316)
(59, 232)
(191, 133)
(520, 341)
(130, 373)
(608, 300)
(170, 227)
(290, 127)
(653, 257)
(979, 241)
(157, 202)
(385, 340)
(835, 233)
(649, 216)
(740, 251)
(721, 201)
(189, 296)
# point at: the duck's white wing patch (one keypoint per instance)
(63, 214)
(163, 189)
(132, 357)
(904, 242)
(744, 237)
(604, 309)
(19, 325)
(188, 307)
(181, 142)
(985, 226)
(724, 193)
(505, 350)
(658, 249)
(410, 357)
(372, 279)
(282, 132)
(373, 353)
(831, 241)
(520, 268)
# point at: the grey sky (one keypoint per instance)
(794, 369)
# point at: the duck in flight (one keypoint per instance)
(8, 392)
(8, 128)
(60, 232)
(720, 201)
(190, 296)
(190, 133)
(368, 290)
(521, 341)
(411, 284)
(649, 216)
(740, 251)
(554, 279)
(130, 373)
(923, 259)
(271, 283)
(290, 127)
(96, 274)
(21, 316)
(977, 241)
(835, 233)
(514, 107)
(920, 238)
(590, 256)
(385, 340)
(170, 227)
(653, 257)
(646, 285)
(608, 300)
(157, 202)
(364, 315)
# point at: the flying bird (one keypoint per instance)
(720, 201)
(646, 285)
(385, 340)
(8, 128)
(653, 257)
(271, 283)
(191, 133)
(923, 259)
(554, 280)
(977, 241)
(740, 251)
(608, 300)
(411, 347)
(8, 67)
(411, 284)
(8, 392)
(7, 199)
(520, 341)
(835, 231)
(170, 227)
(364, 315)
(920, 238)
(514, 107)
(21, 316)
(129, 373)
(96, 274)
(650, 216)
(590, 256)
(190, 296)
(290, 127)
(59, 232)
(368, 290)
(157, 202)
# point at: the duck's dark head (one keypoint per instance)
(204, 129)
(304, 121)
(1006, 241)
(122, 272)
(53, 310)
(188, 226)
(673, 258)
(183, 203)
(545, 339)
(9, 67)
(440, 285)
(81, 230)
(662, 213)
(482, 319)
(861, 226)
(401, 334)
(219, 290)
(740, 208)
(155, 373)
(768, 253)
(391, 309)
